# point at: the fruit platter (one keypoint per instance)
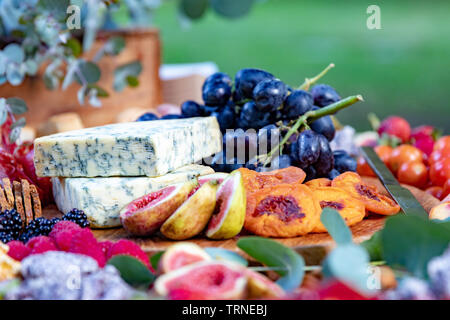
(261, 173)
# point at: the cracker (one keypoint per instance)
(3, 202)
(27, 200)
(19, 201)
(9, 193)
(36, 202)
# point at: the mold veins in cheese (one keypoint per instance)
(147, 148)
(103, 198)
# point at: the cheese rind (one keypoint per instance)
(103, 198)
(147, 148)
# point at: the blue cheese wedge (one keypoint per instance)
(147, 148)
(103, 198)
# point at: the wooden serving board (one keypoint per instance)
(313, 247)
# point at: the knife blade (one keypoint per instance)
(402, 196)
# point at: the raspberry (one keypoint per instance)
(84, 242)
(130, 248)
(17, 250)
(106, 246)
(41, 244)
(63, 233)
(65, 225)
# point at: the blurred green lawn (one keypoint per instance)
(402, 69)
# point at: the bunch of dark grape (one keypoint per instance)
(265, 108)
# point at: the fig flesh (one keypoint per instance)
(180, 255)
(145, 215)
(193, 215)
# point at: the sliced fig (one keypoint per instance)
(212, 280)
(193, 215)
(145, 215)
(229, 215)
(261, 287)
(180, 255)
(219, 176)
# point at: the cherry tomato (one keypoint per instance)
(402, 154)
(442, 143)
(363, 168)
(384, 152)
(436, 192)
(446, 188)
(438, 155)
(413, 173)
(440, 172)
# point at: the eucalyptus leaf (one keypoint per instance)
(114, 46)
(336, 226)
(3, 111)
(227, 255)
(14, 74)
(81, 94)
(154, 259)
(57, 8)
(232, 8)
(288, 263)
(102, 93)
(75, 46)
(51, 81)
(19, 124)
(123, 72)
(348, 263)
(132, 271)
(17, 105)
(193, 9)
(16, 128)
(411, 242)
(90, 72)
(14, 53)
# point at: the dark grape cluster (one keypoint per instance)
(11, 226)
(260, 101)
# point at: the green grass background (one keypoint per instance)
(402, 69)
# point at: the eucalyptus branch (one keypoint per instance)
(309, 117)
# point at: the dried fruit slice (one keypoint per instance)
(254, 181)
(180, 255)
(145, 215)
(282, 211)
(229, 215)
(319, 182)
(369, 195)
(261, 287)
(211, 280)
(193, 215)
(351, 209)
(219, 176)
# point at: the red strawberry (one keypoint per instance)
(395, 126)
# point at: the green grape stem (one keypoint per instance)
(310, 81)
(309, 117)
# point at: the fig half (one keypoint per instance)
(145, 215)
(180, 255)
(193, 215)
(212, 280)
(229, 215)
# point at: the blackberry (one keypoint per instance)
(77, 216)
(10, 223)
(37, 227)
(6, 237)
(54, 221)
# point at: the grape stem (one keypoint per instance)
(310, 81)
(309, 117)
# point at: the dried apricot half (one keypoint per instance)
(369, 195)
(351, 209)
(254, 181)
(319, 182)
(282, 211)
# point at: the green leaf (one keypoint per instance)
(3, 111)
(133, 271)
(290, 265)
(132, 81)
(411, 242)
(7, 286)
(14, 74)
(114, 46)
(374, 247)
(154, 259)
(75, 46)
(232, 8)
(56, 7)
(123, 72)
(14, 53)
(348, 263)
(102, 93)
(17, 105)
(90, 72)
(227, 255)
(336, 226)
(193, 9)
(16, 127)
